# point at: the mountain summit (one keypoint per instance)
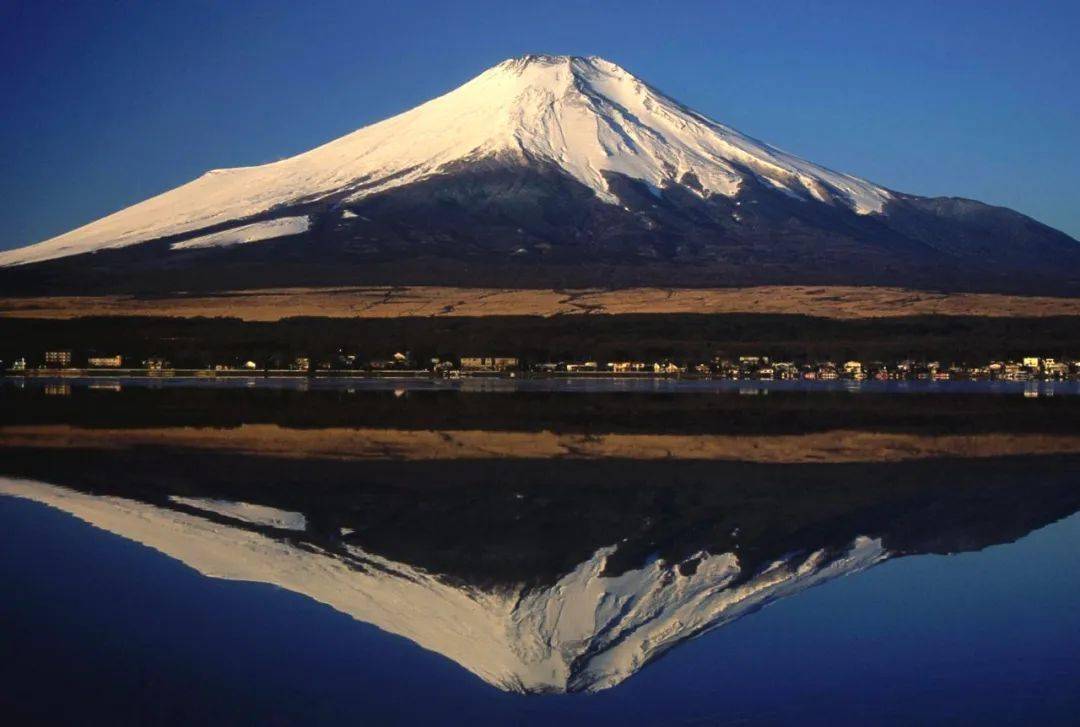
(551, 170)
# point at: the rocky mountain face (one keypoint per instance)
(547, 171)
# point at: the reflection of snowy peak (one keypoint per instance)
(586, 632)
(596, 631)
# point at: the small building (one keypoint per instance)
(58, 359)
(399, 361)
(786, 370)
(727, 369)
(19, 365)
(1031, 362)
(490, 363)
(105, 362)
(625, 367)
(1054, 369)
(667, 367)
(301, 363)
(342, 360)
(156, 363)
(441, 367)
(1015, 372)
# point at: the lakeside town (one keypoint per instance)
(64, 362)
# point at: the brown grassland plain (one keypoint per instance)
(836, 302)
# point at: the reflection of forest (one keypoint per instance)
(562, 413)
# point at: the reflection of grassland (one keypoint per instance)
(396, 444)
(384, 302)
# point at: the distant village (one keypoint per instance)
(748, 367)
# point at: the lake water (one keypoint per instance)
(456, 557)
(565, 384)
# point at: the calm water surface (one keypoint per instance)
(186, 567)
(565, 384)
(98, 629)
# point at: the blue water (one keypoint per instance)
(561, 384)
(97, 629)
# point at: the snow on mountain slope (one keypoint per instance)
(586, 115)
(247, 512)
(255, 232)
(586, 632)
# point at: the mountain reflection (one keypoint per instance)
(541, 575)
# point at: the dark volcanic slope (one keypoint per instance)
(510, 225)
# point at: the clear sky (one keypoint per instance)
(107, 103)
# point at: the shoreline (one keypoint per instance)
(62, 382)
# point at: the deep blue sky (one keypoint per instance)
(107, 103)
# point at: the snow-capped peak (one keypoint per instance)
(586, 115)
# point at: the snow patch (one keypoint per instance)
(246, 512)
(255, 232)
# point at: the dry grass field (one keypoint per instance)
(388, 302)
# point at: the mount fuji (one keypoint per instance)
(547, 171)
